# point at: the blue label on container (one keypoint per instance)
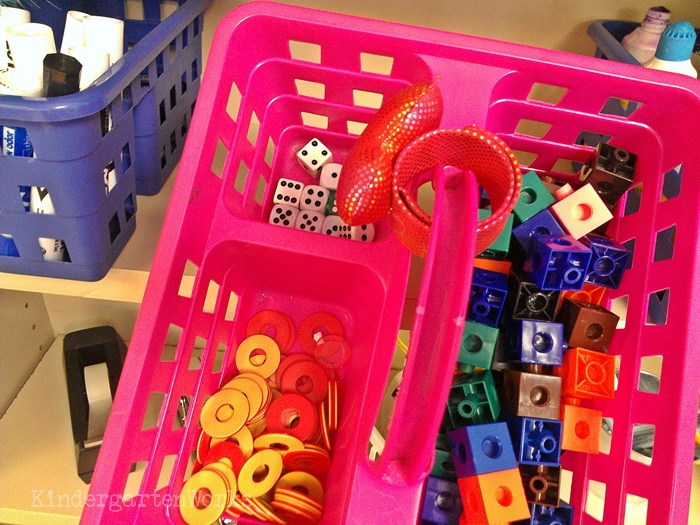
(15, 142)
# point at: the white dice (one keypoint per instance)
(314, 198)
(364, 233)
(313, 156)
(335, 227)
(284, 215)
(309, 220)
(330, 173)
(288, 192)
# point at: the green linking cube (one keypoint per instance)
(478, 346)
(498, 248)
(534, 197)
(473, 400)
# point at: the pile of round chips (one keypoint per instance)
(266, 436)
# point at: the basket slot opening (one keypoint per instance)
(305, 51)
(606, 435)
(153, 410)
(196, 25)
(172, 51)
(380, 64)
(665, 243)
(270, 151)
(211, 296)
(306, 88)
(187, 279)
(160, 65)
(633, 201)
(650, 374)
(233, 105)
(54, 250)
(185, 37)
(173, 97)
(595, 502)
(129, 207)
(636, 508)
(672, 183)
(195, 362)
(127, 99)
(260, 189)
(620, 107)
(161, 108)
(657, 308)
(231, 307)
(619, 307)
(166, 471)
(592, 139)
(525, 158)
(314, 120)
(125, 158)
(546, 93)
(219, 358)
(220, 154)
(183, 83)
(356, 128)
(181, 413)
(173, 142)
(642, 443)
(253, 128)
(630, 246)
(195, 70)
(533, 128)
(114, 228)
(183, 126)
(109, 174)
(367, 99)
(241, 176)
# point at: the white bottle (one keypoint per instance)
(674, 50)
(641, 43)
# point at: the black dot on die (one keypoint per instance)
(335, 228)
(320, 194)
(294, 200)
(304, 152)
(283, 183)
(288, 213)
(334, 175)
(314, 143)
(276, 220)
(279, 195)
(317, 203)
(314, 162)
(297, 186)
(314, 219)
(364, 238)
(329, 231)
(324, 152)
(286, 198)
(286, 222)
(302, 226)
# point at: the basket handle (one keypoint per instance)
(437, 329)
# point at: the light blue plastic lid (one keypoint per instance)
(676, 42)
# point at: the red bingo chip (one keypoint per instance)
(228, 450)
(311, 461)
(280, 322)
(307, 378)
(322, 322)
(288, 361)
(293, 414)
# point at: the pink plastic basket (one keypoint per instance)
(218, 222)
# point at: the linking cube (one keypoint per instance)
(581, 212)
(542, 223)
(609, 261)
(498, 249)
(496, 497)
(547, 515)
(590, 293)
(613, 173)
(478, 344)
(526, 301)
(531, 395)
(541, 484)
(536, 342)
(534, 197)
(581, 428)
(557, 263)
(473, 400)
(535, 441)
(443, 466)
(479, 449)
(487, 297)
(587, 374)
(442, 504)
(587, 325)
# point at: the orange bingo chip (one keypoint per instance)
(320, 322)
(308, 460)
(288, 361)
(227, 450)
(295, 415)
(279, 323)
(307, 378)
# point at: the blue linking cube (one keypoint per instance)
(536, 342)
(480, 449)
(542, 223)
(557, 262)
(442, 504)
(487, 297)
(609, 261)
(546, 515)
(535, 441)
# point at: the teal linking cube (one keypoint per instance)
(473, 399)
(534, 197)
(478, 345)
(499, 248)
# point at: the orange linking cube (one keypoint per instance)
(587, 374)
(493, 498)
(580, 428)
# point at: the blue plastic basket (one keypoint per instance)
(150, 94)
